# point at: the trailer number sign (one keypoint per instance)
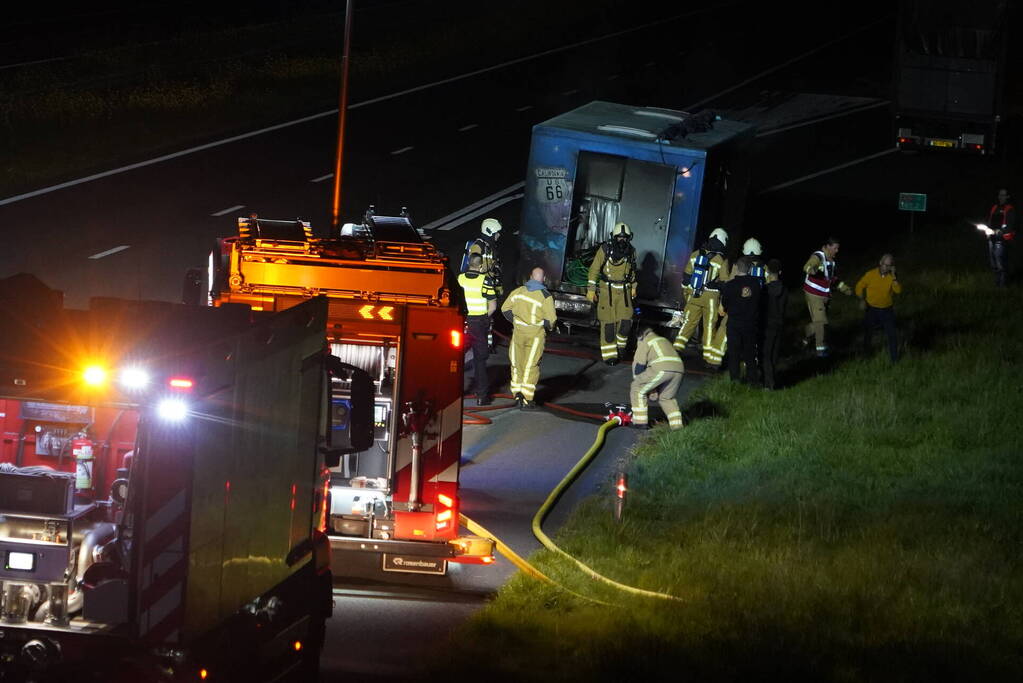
(551, 185)
(910, 201)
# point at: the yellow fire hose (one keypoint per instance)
(538, 519)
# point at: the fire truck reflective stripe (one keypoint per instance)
(169, 512)
(450, 474)
(451, 419)
(162, 609)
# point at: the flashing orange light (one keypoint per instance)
(418, 532)
(456, 339)
(366, 312)
(444, 516)
(297, 645)
(385, 312)
(94, 376)
(446, 501)
(180, 383)
(203, 673)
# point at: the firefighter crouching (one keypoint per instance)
(612, 284)
(530, 309)
(706, 269)
(821, 277)
(480, 303)
(657, 372)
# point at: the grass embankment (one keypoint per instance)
(109, 106)
(863, 524)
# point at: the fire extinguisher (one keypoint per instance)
(82, 452)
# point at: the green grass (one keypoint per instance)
(864, 524)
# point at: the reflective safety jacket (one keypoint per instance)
(758, 270)
(654, 351)
(821, 276)
(619, 274)
(1002, 219)
(703, 272)
(530, 311)
(478, 291)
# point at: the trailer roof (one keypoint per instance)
(639, 124)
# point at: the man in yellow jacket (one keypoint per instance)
(875, 289)
(530, 309)
(612, 285)
(657, 372)
(480, 304)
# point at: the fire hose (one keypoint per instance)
(527, 568)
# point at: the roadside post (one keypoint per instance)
(913, 203)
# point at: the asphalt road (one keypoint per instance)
(821, 165)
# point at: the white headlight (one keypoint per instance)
(134, 378)
(172, 409)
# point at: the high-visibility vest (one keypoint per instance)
(477, 292)
(819, 283)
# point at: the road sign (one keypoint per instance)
(910, 201)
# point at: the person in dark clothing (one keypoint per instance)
(740, 300)
(1001, 221)
(776, 299)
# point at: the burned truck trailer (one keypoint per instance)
(671, 176)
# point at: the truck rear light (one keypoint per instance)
(444, 516)
(443, 526)
(203, 674)
(446, 501)
(297, 645)
(181, 383)
(456, 339)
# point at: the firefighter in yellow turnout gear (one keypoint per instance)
(612, 284)
(657, 372)
(706, 270)
(530, 309)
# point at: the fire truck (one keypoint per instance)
(163, 488)
(394, 506)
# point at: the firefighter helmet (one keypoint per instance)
(721, 236)
(751, 247)
(622, 229)
(490, 227)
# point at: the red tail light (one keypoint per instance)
(181, 383)
(456, 339)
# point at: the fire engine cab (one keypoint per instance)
(393, 506)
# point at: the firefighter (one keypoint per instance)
(657, 372)
(480, 304)
(1001, 219)
(821, 277)
(706, 270)
(530, 309)
(612, 284)
(752, 250)
(486, 247)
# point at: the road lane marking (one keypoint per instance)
(569, 93)
(228, 210)
(475, 205)
(525, 107)
(401, 151)
(848, 112)
(847, 164)
(322, 178)
(613, 77)
(650, 64)
(108, 252)
(357, 105)
(469, 127)
(479, 212)
(784, 64)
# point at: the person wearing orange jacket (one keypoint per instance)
(875, 289)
